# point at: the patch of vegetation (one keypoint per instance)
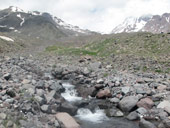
(140, 44)
(51, 48)
(70, 50)
(148, 46)
(145, 68)
(158, 71)
(105, 74)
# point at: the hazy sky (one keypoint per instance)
(98, 15)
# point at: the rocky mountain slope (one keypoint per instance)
(147, 23)
(36, 24)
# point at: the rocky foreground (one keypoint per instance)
(30, 93)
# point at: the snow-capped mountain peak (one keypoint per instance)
(14, 19)
(131, 24)
(16, 9)
(146, 23)
(68, 26)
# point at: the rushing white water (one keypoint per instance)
(97, 117)
(70, 93)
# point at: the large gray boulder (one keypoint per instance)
(128, 103)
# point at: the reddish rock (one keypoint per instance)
(147, 103)
(67, 120)
(104, 94)
(140, 81)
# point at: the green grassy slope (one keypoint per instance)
(155, 47)
(137, 44)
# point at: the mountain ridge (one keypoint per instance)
(147, 23)
(14, 19)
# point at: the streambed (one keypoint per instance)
(94, 118)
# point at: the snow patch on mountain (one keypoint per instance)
(6, 38)
(23, 19)
(3, 26)
(16, 9)
(139, 25)
(22, 22)
(167, 19)
(68, 26)
(19, 15)
(132, 24)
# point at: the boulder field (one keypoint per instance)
(30, 93)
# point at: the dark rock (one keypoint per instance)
(82, 60)
(99, 86)
(57, 86)
(57, 73)
(11, 93)
(7, 76)
(85, 91)
(1, 87)
(133, 116)
(166, 123)
(55, 107)
(69, 108)
(146, 124)
(27, 107)
(82, 103)
(40, 84)
(103, 104)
